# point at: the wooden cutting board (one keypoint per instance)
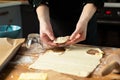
(74, 61)
(8, 48)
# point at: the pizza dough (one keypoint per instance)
(61, 40)
(33, 76)
(74, 61)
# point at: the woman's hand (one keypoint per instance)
(46, 32)
(81, 28)
(79, 34)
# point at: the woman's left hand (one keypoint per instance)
(81, 28)
(79, 34)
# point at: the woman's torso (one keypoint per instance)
(66, 7)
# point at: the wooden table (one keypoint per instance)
(24, 57)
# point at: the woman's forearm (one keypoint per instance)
(43, 13)
(88, 11)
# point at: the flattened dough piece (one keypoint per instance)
(74, 61)
(33, 76)
(61, 40)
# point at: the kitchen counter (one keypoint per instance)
(25, 57)
(12, 3)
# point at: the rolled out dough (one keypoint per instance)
(74, 61)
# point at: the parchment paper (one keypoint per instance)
(8, 48)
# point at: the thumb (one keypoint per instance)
(51, 36)
(75, 35)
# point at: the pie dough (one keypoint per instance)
(74, 61)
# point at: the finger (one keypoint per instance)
(71, 42)
(77, 36)
(73, 35)
(76, 40)
(47, 40)
(50, 42)
(51, 35)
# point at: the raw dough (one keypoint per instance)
(33, 76)
(61, 40)
(74, 61)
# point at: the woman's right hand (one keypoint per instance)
(46, 32)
